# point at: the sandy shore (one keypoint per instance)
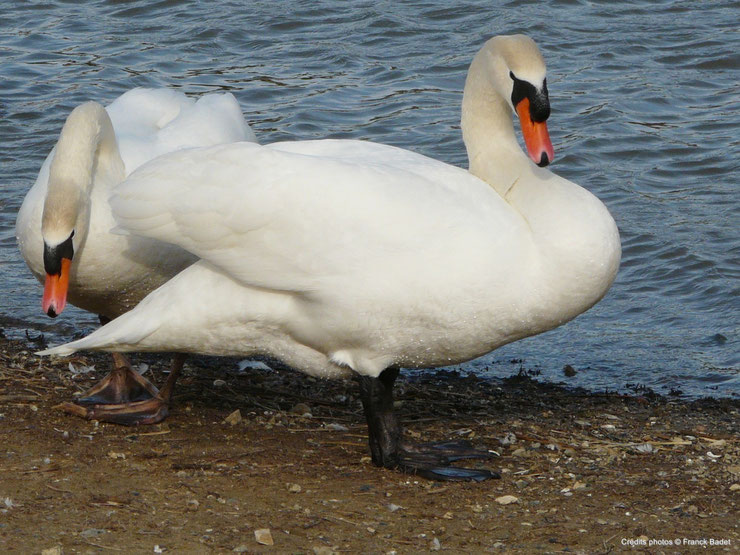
(581, 472)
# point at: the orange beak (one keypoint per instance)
(55, 290)
(535, 135)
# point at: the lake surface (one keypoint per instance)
(644, 97)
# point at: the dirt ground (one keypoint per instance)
(581, 473)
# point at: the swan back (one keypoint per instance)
(97, 148)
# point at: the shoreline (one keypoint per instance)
(581, 472)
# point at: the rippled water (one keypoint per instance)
(645, 114)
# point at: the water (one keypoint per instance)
(645, 114)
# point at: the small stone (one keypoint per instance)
(735, 487)
(392, 507)
(219, 383)
(193, 504)
(448, 515)
(302, 409)
(569, 371)
(507, 500)
(159, 549)
(436, 546)
(56, 550)
(295, 488)
(337, 427)
(234, 418)
(263, 536)
(323, 550)
(92, 532)
(114, 455)
(508, 439)
(241, 548)
(521, 452)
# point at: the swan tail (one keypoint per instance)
(120, 335)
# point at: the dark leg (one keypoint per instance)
(124, 396)
(389, 451)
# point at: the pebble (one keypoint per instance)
(302, 409)
(508, 439)
(241, 549)
(436, 546)
(735, 487)
(263, 536)
(392, 507)
(294, 488)
(92, 532)
(337, 427)
(219, 383)
(234, 418)
(56, 550)
(507, 499)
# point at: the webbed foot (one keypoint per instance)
(429, 460)
(125, 397)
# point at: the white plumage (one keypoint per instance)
(339, 256)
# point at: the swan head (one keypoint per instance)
(57, 264)
(60, 218)
(516, 71)
(65, 211)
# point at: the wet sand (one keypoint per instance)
(581, 472)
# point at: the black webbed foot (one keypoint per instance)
(429, 460)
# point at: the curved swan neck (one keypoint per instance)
(87, 147)
(488, 131)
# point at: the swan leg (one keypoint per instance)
(429, 460)
(125, 397)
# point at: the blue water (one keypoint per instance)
(644, 96)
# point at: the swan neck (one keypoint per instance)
(494, 154)
(86, 148)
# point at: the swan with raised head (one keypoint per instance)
(63, 226)
(344, 257)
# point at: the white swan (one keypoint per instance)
(63, 226)
(344, 257)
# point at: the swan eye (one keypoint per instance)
(539, 101)
(53, 255)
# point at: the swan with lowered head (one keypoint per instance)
(63, 226)
(344, 257)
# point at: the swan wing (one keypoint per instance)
(295, 216)
(152, 122)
